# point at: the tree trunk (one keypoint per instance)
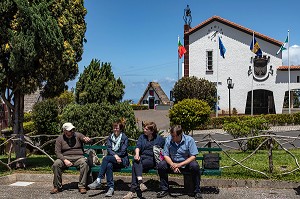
(20, 146)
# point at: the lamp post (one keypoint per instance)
(229, 86)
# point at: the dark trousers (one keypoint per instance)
(164, 169)
(109, 163)
(138, 168)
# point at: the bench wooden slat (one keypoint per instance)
(200, 149)
(95, 147)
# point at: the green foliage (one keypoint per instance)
(97, 84)
(139, 107)
(27, 117)
(28, 127)
(96, 120)
(280, 119)
(189, 113)
(64, 99)
(195, 88)
(296, 117)
(244, 128)
(45, 117)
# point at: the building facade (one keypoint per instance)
(264, 75)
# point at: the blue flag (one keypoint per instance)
(256, 48)
(222, 48)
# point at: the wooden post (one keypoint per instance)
(270, 146)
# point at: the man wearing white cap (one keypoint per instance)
(69, 152)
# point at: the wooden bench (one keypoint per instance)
(101, 151)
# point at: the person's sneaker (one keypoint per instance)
(95, 185)
(130, 195)
(198, 196)
(110, 192)
(55, 190)
(143, 187)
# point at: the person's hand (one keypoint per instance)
(137, 157)
(174, 166)
(177, 170)
(86, 139)
(119, 160)
(68, 163)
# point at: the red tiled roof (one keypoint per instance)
(236, 26)
(287, 67)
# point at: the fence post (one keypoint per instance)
(270, 146)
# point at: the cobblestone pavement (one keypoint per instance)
(40, 190)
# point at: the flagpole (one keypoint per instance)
(252, 77)
(289, 71)
(178, 60)
(218, 46)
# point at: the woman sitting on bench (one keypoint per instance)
(116, 158)
(144, 158)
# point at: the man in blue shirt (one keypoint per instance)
(180, 153)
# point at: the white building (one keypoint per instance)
(270, 80)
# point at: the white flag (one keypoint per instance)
(284, 45)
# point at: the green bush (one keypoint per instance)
(247, 127)
(296, 117)
(27, 117)
(95, 120)
(139, 107)
(28, 127)
(45, 117)
(190, 114)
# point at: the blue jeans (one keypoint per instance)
(164, 168)
(109, 163)
(138, 168)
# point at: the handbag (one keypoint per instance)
(158, 156)
(211, 161)
(92, 159)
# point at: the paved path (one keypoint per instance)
(41, 185)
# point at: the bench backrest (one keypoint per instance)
(131, 149)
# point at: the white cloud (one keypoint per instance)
(294, 55)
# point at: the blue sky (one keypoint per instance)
(139, 37)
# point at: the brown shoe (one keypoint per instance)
(55, 191)
(82, 190)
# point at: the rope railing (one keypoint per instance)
(207, 141)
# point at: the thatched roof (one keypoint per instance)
(159, 92)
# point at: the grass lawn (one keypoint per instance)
(282, 162)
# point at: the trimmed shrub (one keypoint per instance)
(190, 114)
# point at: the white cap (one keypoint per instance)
(68, 126)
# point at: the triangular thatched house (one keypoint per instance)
(154, 95)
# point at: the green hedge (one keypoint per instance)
(272, 119)
(139, 107)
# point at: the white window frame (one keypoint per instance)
(209, 59)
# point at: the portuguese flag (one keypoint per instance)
(181, 49)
